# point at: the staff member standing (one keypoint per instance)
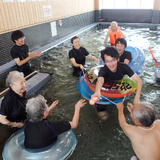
(77, 56)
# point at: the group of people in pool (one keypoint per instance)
(144, 135)
(17, 111)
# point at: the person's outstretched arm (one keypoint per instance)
(76, 64)
(93, 58)
(122, 35)
(99, 85)
(139, 88)
(106, 38)
(50, 108)
(30, 56)
(75, 120)
(5, 121)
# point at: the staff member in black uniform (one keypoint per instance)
(125, 56)
(12, 109)
(40, 132)
(115, 70)
(20, 53)
(77, 56)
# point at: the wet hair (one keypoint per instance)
(35, 108)
(110, 51)
(16, 35)
(73, 38)
(122, 41)
(145, 113)
(12, 77)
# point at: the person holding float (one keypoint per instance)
(12, 110)
(20, 53)
(77, 56)
(39, 132)
(115, 70)
(125, 56)
(114, 32)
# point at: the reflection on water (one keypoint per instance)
(97, 140)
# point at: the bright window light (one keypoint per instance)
(127, 4)
(121, 4)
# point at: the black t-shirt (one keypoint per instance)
(78, 55)
(122, 69)
(13, 106)
(125, 55)
(43, 133)
(20, 52)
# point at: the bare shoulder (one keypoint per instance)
(157, 122)
(130, 130)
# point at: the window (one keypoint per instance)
(127, 4)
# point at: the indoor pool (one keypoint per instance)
(97, 139)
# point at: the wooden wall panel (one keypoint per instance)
(16, 15)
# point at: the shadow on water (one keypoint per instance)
(97, 140)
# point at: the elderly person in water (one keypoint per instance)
(12, 109)
(40, 132)
(145, 134)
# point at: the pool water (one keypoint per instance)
(97, 139)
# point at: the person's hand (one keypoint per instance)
(129, 107)
(96, 59)
(120, 105)
(17, 124)
(80, 103)
(32, 55)
(81, 66)
(38, 54)
(104, 42)
(54, 104)
(98, 95)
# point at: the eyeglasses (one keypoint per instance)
(113, 60)
(23, 38)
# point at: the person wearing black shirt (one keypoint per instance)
(125, 56)
(77, 56)
(115, 70)
(12, 109)
(20, 53)
(40, 132)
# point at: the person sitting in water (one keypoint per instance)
(12, 109)
(125, 56)
(115, 70)
(144, 135)
(40, 132)
(20, 53)
(114, 32)
(77, 56)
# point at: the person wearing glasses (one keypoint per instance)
(20, 53)
(115, 70)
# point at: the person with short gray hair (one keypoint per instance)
(12, 109)
(40, 132)
(114, 32)
(144, 135)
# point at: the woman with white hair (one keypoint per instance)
(40, 132)
(12, 109)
